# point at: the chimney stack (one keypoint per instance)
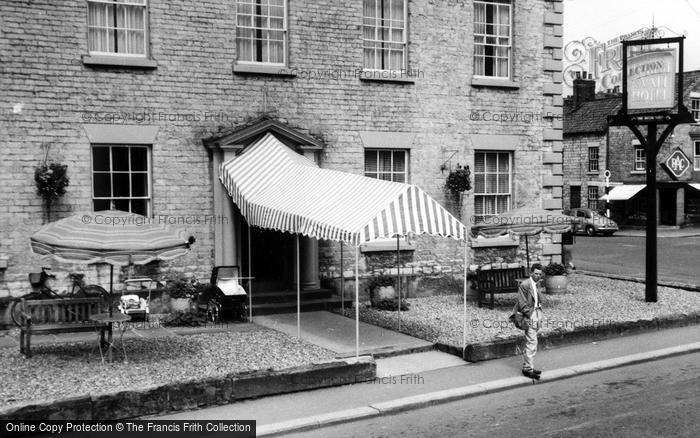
(584, 89)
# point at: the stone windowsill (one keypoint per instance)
(259, 69)
(386, 76)
(638, 172)
(493, 82)
(119, 61)
(494, 242)
(386, 245)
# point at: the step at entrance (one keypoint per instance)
(272, 302)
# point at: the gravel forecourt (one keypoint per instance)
(589, 301)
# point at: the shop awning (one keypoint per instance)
(277, 188)
(623, 193)
(695, 186)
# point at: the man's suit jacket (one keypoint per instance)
(526, 297)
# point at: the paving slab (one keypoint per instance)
(337, 333)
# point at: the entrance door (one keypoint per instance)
(667, 206)
(575, 201)
(273, 262)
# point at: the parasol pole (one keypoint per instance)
(527, 253)
(111, 281)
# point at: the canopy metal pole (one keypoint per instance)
(398, 278)
(298, 293)
(342, 279)
(464, 311)
(357, 302)
(250, 279)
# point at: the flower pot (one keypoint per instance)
(556, 284)
(180, 304)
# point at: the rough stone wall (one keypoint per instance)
(49, 94)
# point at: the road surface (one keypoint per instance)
(658, 398)
(677, 257)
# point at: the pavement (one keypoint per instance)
(336, 333)
(662, 231)
(427, 378)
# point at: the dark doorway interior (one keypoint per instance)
(273, 257)
(575, 197)
(667, 206)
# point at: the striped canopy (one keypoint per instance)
(277, 188)
(523, 221)
(114, 237)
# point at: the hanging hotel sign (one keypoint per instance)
(602, 60)
(651, 79)
(676, 164)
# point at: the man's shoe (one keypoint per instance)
(531, 374)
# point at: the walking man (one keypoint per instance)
(529, 306)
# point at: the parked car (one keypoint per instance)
(591, 222)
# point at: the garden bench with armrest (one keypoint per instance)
(59, 315)
(498, 281)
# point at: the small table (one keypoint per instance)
(106, 318)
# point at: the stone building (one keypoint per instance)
(591, 147)
(143, 99)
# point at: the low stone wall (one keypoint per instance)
(196, 393)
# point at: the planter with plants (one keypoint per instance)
(555, 278)
(382, 293)
(181, 291)
(458, 182)
(51, 181)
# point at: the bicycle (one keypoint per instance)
(38, 279)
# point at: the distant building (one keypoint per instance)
(591, 147)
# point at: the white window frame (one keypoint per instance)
(284, 30)
(593, 193)
(640, 156)
(137, 3)
(696, 155)
(593, 159)
(149, 182)
(485, 36)
(508, 194)
(695, 107)
(392, 173)
(377, 27)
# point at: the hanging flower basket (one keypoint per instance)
(51, 180)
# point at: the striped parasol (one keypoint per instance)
(524, 221)
(115, 237)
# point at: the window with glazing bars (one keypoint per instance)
(117, 27)
(384, 34)
(696, 155)
(695, 108)
(121, 178)
(593, 197)
(492, 38)
(261, 31)
(593, 159)
(389, 165)
(492, 184)
(640, 158)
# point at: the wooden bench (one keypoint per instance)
(60, 315)
(498, 281)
